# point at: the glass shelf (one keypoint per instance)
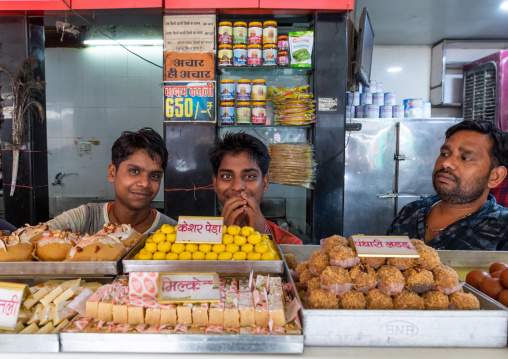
(266, 126)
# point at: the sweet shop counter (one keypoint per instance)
(309, 352)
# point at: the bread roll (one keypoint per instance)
(32, 234)
(124, 232)
(97, 248)
(54, 246)
(13, 250)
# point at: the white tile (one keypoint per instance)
(125, 119)
(156, 119)
(96, 182)
(115, 61)
(71, 62)
(52, 62)
(94, 119)
(71, 91)
(93, 61)
(139, 91)
(117, 94)
(53, 124)
(136, 65)
(53, 90)
(100, 155)
(156, 55)
(70, 154)
(73, 183)
(94, 91)
(72, 122)
(54, 190)
(54, 153)
(156, 92)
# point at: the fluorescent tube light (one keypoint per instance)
(394, 69)
(504, 6)
(140, 42)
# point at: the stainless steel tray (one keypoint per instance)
(185, 343)
(396, 328)
(35, 268)
(35, 343)
(131, 265)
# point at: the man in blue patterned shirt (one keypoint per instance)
(463, 215)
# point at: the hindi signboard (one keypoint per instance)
(384, 246)
(189, 101)
(189, 66)
(11, 296)
(184, 287)
(189, 33)
(199, 229)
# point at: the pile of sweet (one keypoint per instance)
(43, 243)
(54, 303)
(336, 278)
(241, 311)
(292, 106)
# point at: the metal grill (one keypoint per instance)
(480, 89)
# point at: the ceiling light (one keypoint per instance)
(123, 42)
(394, 69)
(504, 6)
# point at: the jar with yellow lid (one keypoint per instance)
(259, 113)
(225, 32)
(227, 113)
(240, 32)
(243, 113)
(270, 32)
(240, 55)
(259, 90)
(254, 55)
(227, 90)
(255, 35)
(225, 55)
(269, 55)
(243, 90)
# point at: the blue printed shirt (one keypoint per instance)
(485, 229)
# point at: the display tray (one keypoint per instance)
(185, 343)
(34, 268)
(35, 343)
(487, 327)
(231, 266)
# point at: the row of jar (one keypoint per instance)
(245, 114)
(255, 33)
(243, 91)
(240, 55)
(368, 98)
(412, 108)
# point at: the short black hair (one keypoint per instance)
(145, 139)
(236, 143)
(499, 151)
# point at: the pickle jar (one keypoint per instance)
(270, 32)
(282, 58)
(227, 113)
(269, 55)
(259, 90)
(259, 113)
(240, 33)
(227, 90)
(225, 32)
(283, 43)
(225, 55)
(255, 34)
(254, 55)
(243, 90)
(243, 113)
(240, 55)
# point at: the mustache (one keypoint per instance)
(448, 172)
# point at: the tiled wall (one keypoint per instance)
(93, 95)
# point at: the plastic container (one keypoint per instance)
(390, 98)
(371, 111)
(385, 111)
(413, 108)
(227, 113)
(259, 90)
(283, 43)
(225, 32)
(269, 55)
(243, 90)
(259, 112)
(270, 32)
(254, 55)
(255, 34)
(378, 98)
(240, 55)
(356, 99)
(282, 59)
(227, 90)
(243, 113)
(225, 55)
(358, 111)
(397, 111)
(426, 113)
(240, 33)
(365, 98)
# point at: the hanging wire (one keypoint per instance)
(99, 30)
